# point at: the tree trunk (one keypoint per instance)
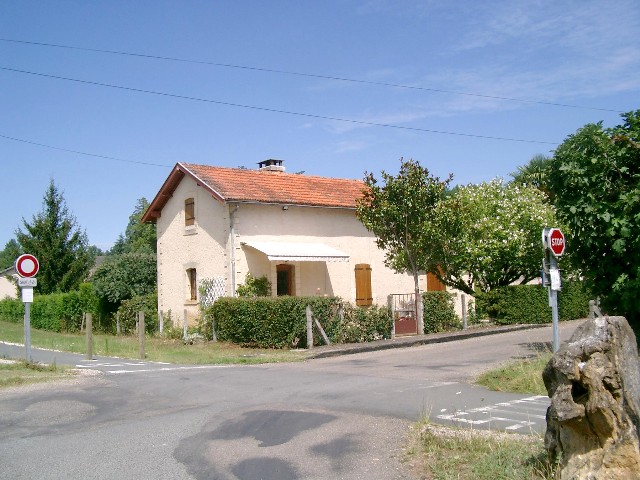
(419, 310)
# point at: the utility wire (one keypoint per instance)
(81, 153)
(274, 110)
(310, 75)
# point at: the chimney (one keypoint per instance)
(271, 165)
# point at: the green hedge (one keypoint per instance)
(439, 312)
(517, 304)
(281, 322)
(143, 303)
(56, 312)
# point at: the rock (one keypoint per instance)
(593, 423)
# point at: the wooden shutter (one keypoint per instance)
(189, 212)
(193, 283)
(434, 284)
(363, 285)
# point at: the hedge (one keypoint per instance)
(439, 312)
(56, 312)
(129, 309)
(281, 322)
(518, 304)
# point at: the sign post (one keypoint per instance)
(27, 267)
(554, 245)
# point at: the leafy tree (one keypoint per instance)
(595, 180)
(403, 214)
(9, 254)
(535, 173)
(498, 239)
(125, 276)
(138, 237)
(54, 237)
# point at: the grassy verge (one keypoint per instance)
(443, 453)
(522, 376)
(21, 373)
(156, 348)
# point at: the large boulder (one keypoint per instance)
(593, 423)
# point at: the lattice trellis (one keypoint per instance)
(210, 290)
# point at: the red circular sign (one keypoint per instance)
(556, 242)
(27, 265)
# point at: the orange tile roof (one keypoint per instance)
(243, 185)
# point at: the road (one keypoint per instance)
(341, 417)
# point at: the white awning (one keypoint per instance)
(298, 252)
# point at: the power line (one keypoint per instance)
(95, 155)
(310, 75)
(274, 110)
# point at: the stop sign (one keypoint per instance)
(556, 242)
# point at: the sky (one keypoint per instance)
(334, 88)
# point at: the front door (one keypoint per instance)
(285, 280)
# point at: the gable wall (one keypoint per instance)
(202, 247)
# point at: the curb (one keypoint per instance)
(405, 342)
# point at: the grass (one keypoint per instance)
(14, 373)
(522, 376)
(445, 453)
(156, 348)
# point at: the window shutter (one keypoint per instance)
(189, 212)
(434, 284)
(364, 296)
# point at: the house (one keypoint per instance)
(7, 288)
(299, 231)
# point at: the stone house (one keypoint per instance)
(299, 231)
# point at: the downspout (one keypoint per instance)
(232, 233)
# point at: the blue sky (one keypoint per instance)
(584, 54)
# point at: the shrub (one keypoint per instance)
(254, 287)
(11, 310)
(439, 312)
(281, 322)
(142, 303)
(517, 304)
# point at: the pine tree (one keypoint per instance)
(55, 239)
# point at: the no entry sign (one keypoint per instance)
(556, 242)
(27, 265)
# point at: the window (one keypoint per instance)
(189, 212)
(364, 298)
(193, 283)
(285, 285)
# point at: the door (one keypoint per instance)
(285, 282)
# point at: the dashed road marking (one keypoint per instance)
(517, 414)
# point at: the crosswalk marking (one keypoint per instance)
(531, 408)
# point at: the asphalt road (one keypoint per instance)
(341, 417)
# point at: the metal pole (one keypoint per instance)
(553, 300)
(27, 330)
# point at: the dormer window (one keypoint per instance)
(189, 212)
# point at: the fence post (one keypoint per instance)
(89, 336)
(118, 327)
(214, 337)
(184, 325)
(141, 333)
(160, 321)
(464, 312)
(309, 328)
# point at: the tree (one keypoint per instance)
(498, 239)
(535, 173)
(125, 276)
(402, 213)
(138, 237)
(61, 248)
(9, 254)
(595, 180)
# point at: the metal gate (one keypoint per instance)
(404, 313)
